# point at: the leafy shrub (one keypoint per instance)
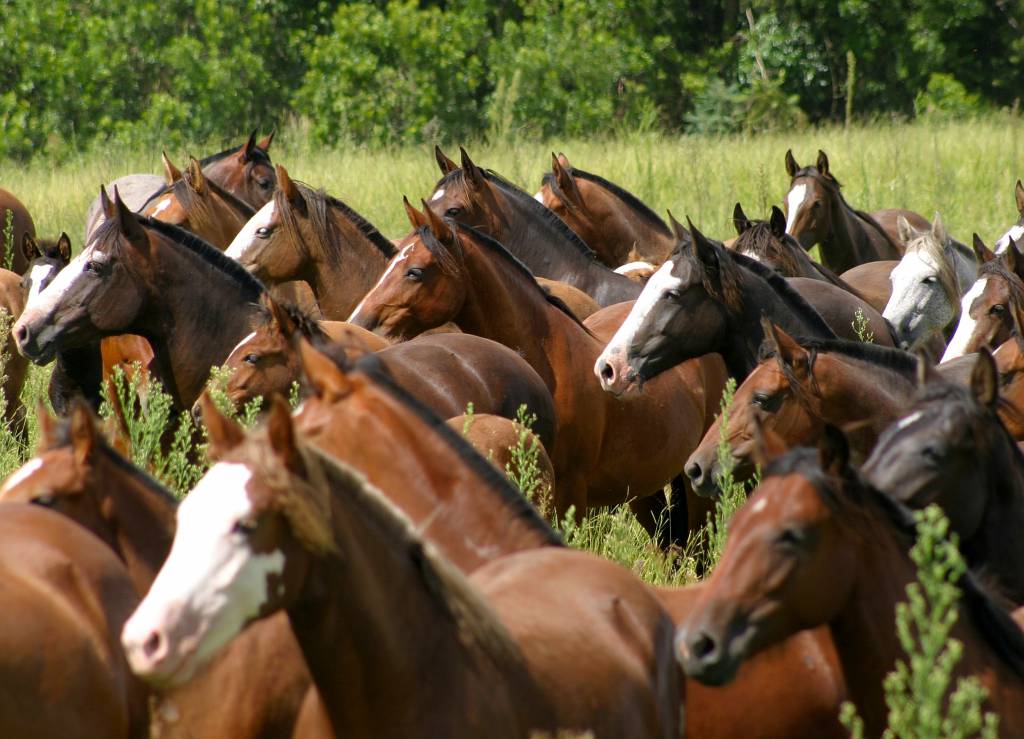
(946, 98)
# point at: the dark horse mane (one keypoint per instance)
(257, 154)
(886, 357)
(108, 236)
(318, 203)
(618, 191)
(1014, 285)
(547, 216)
(305, 324)
(760, 240)
(991, 618)
(833, 185)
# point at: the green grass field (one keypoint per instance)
(965, 170)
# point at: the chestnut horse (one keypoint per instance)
(1010, 363)
(141, 276)
(612, 221)
(814, 545)
(199, 205)
(287, 527)
(603, 452)
(305, 234)
(951, 448)
(540, 239)
(1016, 231)
(15, 366)
(817, 213)
(21, 225)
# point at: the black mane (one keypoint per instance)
(885, 357)
(618, 191)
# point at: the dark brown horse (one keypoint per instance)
(817, 545)
(951, 448)
(21, 225)
(289, 528)
(612, 221)
(540, 239)
(817, 213)
(138, 275)
(602, 452)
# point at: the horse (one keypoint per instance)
(704, 299)
(928, 283)
(451, 272)
(992, 307)
(1009, 359)
(1015, 232)
(950, 447)
(21, 225)
(198, 204)
(287, 527)
(14, 366)
(305, 234)
(446, 372)
(244, 171)
(540, 239)
(816, 544)
(138, 275)
(612, 221)
(817, 213)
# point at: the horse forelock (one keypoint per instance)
(759, 240)
(726, 287)
(926, 244)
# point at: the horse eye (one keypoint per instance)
(264, 183)
(47, 500)
(263, 232)
(452, 212)
(672, 294)
(414, 273)
(245, 526)
(930, 280)
(791, 538)
(251, 359)
(766, 402)
(93, 266)
(997, 309)
(932, 453)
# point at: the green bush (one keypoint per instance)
(946, 98)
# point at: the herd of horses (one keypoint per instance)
(362, 566)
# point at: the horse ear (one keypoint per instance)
(904, 229)
(678, 229)
(128, 222)
(1013, 259)
(267, 141)
(281, 434)
(925, 373)
(766, 445)
(106, 204)
(445, 164)
(703, 247)
(939, 230)
(64, 247)
(822, 165)
(29, 248)
(82, 431)
(786, 348)
(833, 451)
(47, 427)
(289, 188)
(196, 178)
(564, 161)
(566, 181)
(740, 220)
(222, 433)
(325, 377)
(982, 252)
(172, 173)
(1018, 192)
(245, 154)
(474, 176)
(985, 379)
(791, 166)
(416, 218)
(280, 316)
(777, 222)
(437, 226)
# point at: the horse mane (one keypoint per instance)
(108, 234)
(371, 366)
(925, 243)
(257, 154)
(306, 325)
(618, 191)
(198, 208)
(991, 618)
(318, 206)
(1014, 285)
(760, 240)
(885, 357)
(833, 184)
(544, 214)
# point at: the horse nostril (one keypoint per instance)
(21, 334)
(152, 646)
(703, 647)
(607, 372)
(694, 472)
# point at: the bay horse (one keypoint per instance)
(704, 299)
(1016, 231)
(928, 282)
(138, 275)
(816, 544)
(992, 307)
(950, 447)
(817, 213)
(305, 234)
(65, 598)
(21, 225)
(612, 221)
(602, 452)
(199, 205)
(485, 201)
(15, 366)
(287, 527)
(1009, 359)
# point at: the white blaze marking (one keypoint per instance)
(661, 281)
(634, 267)
(162, 206)
(45, 301)
(539, 197)
(245, 239)
(795, 199)
(241, 343)
(21, 474)
(437, 195)
(1016, 233)
(211, 583)
(904, 422)
(908, 290)
(37, 277)
(967, 325)
(399, 258)
(759, 505)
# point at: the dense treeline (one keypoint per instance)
(403, 70)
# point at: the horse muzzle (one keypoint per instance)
(35, 341)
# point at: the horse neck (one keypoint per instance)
(997, 539)
(340, 283)
(360, 623)
(502, 305)
(849, 244)
(192, 319)
(466, 517)
(140, 518)
(76, 372)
